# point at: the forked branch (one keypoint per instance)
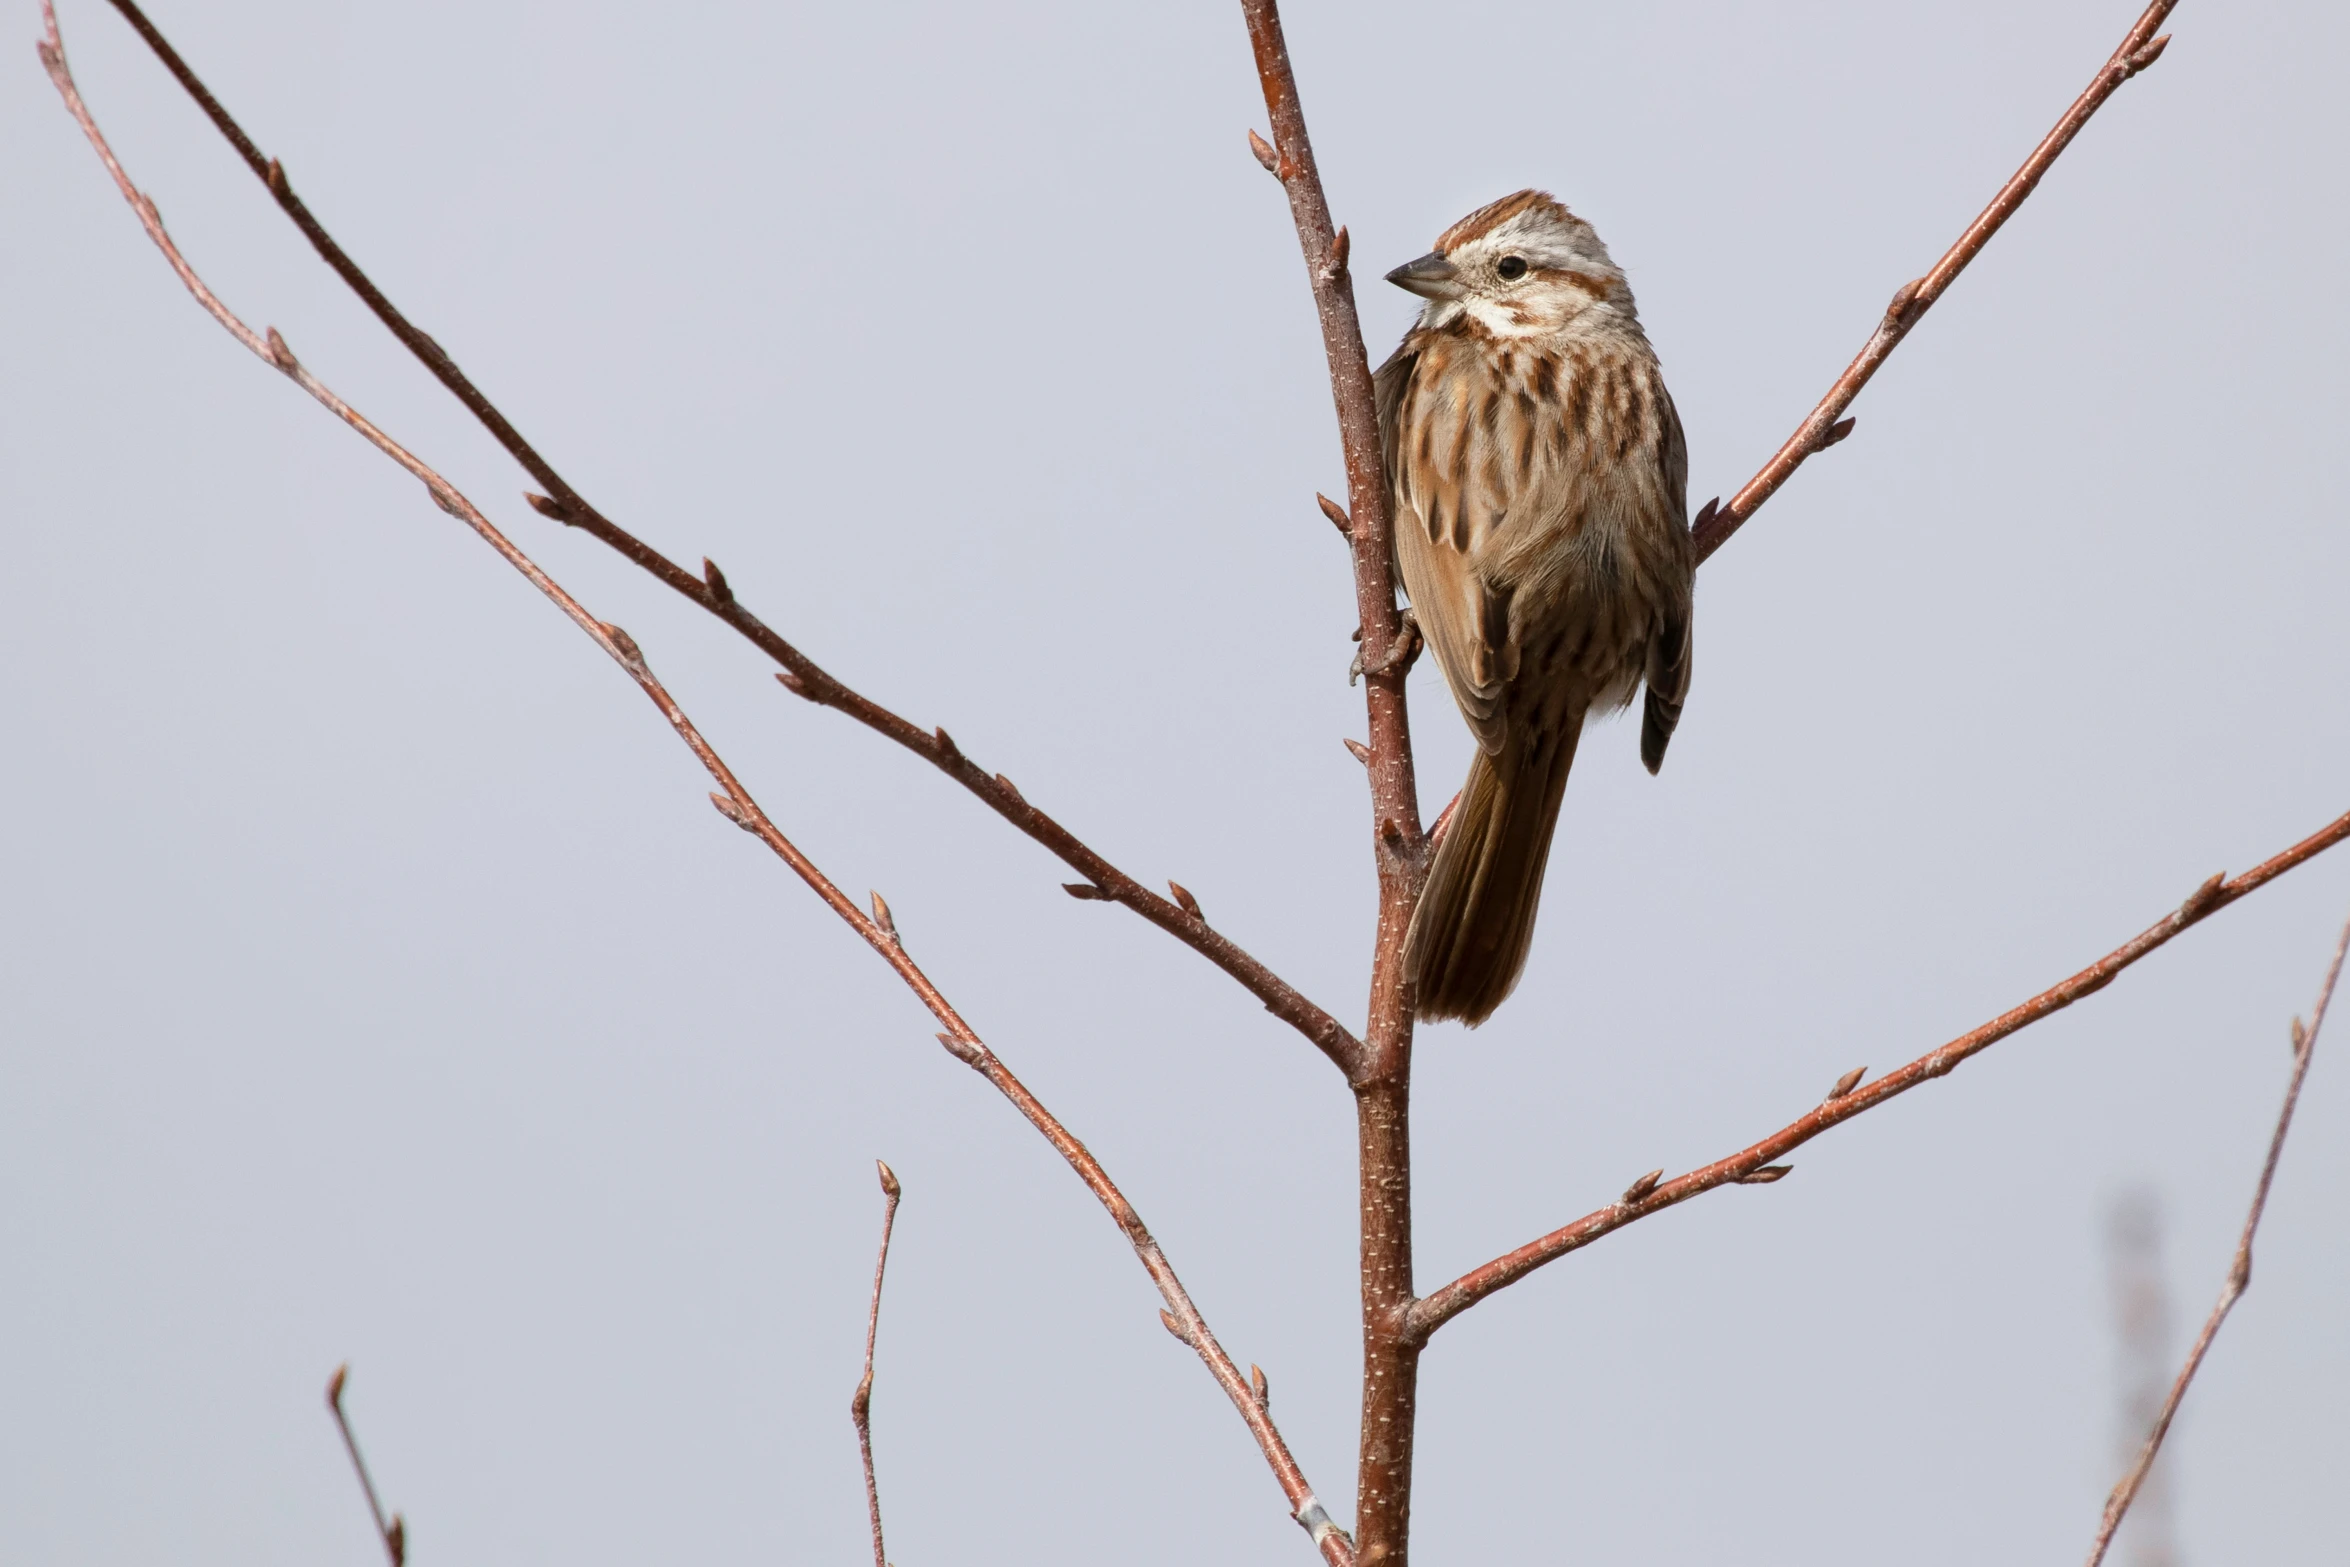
(711, 590)
(1647, 1196)
(1826, 424)
(2117, 1506)
(735, 802)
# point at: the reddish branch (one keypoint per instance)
(712, 592)
(1441, 1306)
(735, 802)
(392, 1529)
(861, 1405)
(1826, 424)
(1382, 1079)
(2239, 1272)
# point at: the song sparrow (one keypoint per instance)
(1538, 473)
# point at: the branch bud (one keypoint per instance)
(1010, 788)
(733, 812)
(2298, 1034)
(544, 506)
(1261, 1388)
(2146, 56)
(948, 751)
(1086, 892)
(1359, 751)
(791, 682)
(1264, 154)
(1764, 1176)
(1642, 1187)
(280, 355)
(2200, 900)
(1836, 432)
(1705, 515)
(625, 643)
(716, 581)
(1897, 309)
(277, 180)
(1334, 264)
(881, 917)
(1846, 1084)
(1337, 515)
(968, 1051)
(889, 1181)
(1185, 901)
(1167, 1320)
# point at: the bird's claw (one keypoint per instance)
(1402, 649)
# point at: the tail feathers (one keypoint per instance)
(1475, 922)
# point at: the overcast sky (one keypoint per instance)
(376, 983)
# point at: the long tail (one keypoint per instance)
(1468, 940)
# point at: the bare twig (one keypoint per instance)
(393, 1529)
(1826, 424)
(1399, 848)
(1441, 1306)
(861, 1406)
(735, 802)
(2239, 1272)
(802, 675)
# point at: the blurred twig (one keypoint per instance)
(2117, 1506)
(392, 1528)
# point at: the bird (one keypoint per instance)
(1537, 478)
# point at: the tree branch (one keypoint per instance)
(1399, 848)
(861, 1405)
(1754, 1165)
(712, 592)
(391, 1529)
(735, 802)
(2239, 1272)
(1826, 424)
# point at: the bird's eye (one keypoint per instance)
(1512, 268)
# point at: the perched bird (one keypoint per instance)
(1538, 477)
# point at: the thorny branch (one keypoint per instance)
(800, 674)
(2239, 1271)
(391, 1529)
(861, 1405)
(734, 801)
(1826, 424)
(1846, 1099)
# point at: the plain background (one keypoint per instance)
(376, 983)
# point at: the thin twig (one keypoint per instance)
(2239, 1272)
(393, 1529)
(735, 802)
(711, 590)
(2216, 893)
(1820, 429)
(861, 1406)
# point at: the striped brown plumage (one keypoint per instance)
(1538, 479)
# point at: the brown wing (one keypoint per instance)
(1668, 655)
(1448, 498)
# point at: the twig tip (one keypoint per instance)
(889, 1180)
(334, 1384)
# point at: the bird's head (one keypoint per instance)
(1522, 266)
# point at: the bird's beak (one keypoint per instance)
(1430, 277)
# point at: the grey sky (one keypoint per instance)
(376, 983)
